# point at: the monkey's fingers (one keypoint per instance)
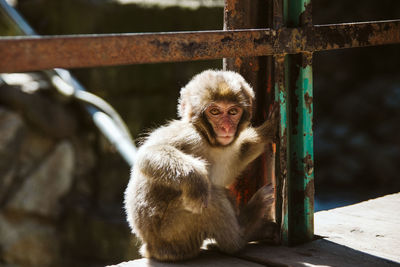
(273, 118)
(267, 189)
(274, 111)
(264, 197)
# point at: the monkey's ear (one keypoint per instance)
(248, 98)
(184, 107)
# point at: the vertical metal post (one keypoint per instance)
(294, 90)
(282, 164)
(257, 71)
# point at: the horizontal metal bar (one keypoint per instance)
(37, 53)
(352, 35)
(24, 53)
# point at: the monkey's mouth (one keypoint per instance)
(225, 140)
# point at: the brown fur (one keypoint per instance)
(177, 195)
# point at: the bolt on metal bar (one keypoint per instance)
(46, 52)
(104, 116)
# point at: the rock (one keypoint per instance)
(106, 239)
(11, 129)
(34, 148)
(41, 111)
(27, 242)
(42, 190)
(10, 126)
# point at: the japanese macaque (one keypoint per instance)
(177, 196)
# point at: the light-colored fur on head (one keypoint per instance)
(210, 85)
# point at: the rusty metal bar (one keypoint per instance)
(243, 15)
(28, 53)
(352, 35)
(36, 53)
(299, 212)
(281, 166)
(236, 16)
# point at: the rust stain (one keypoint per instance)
(234, 15)
(307, 59)
(308, 164)
(384, 33)
(294, 75)
(238, 62)
(308, 101)
(279, 73)
(310, 190)
(283, 153)
(306, 16)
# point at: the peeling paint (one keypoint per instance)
(308, 164)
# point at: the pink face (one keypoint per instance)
(224, 118)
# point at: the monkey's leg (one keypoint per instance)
(177, 250)
(176, 235)
(221, 222)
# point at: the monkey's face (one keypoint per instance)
(224, 118)
(218, 103)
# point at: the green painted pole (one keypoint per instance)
(295, 94)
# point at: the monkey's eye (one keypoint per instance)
(214, 111)
(233, 111)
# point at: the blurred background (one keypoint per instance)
(62, 183)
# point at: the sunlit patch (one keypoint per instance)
(169, 3)
(12, 2)
(29, 83)
(224, 89)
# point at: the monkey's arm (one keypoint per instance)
(269, 129)
(166, 165)
(253, 140)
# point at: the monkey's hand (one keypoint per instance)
(263, 201)
(196, 192)
(257, 216)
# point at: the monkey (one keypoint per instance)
(177, 195)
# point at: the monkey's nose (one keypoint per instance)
(225, 128)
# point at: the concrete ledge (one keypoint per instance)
(364, 234)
